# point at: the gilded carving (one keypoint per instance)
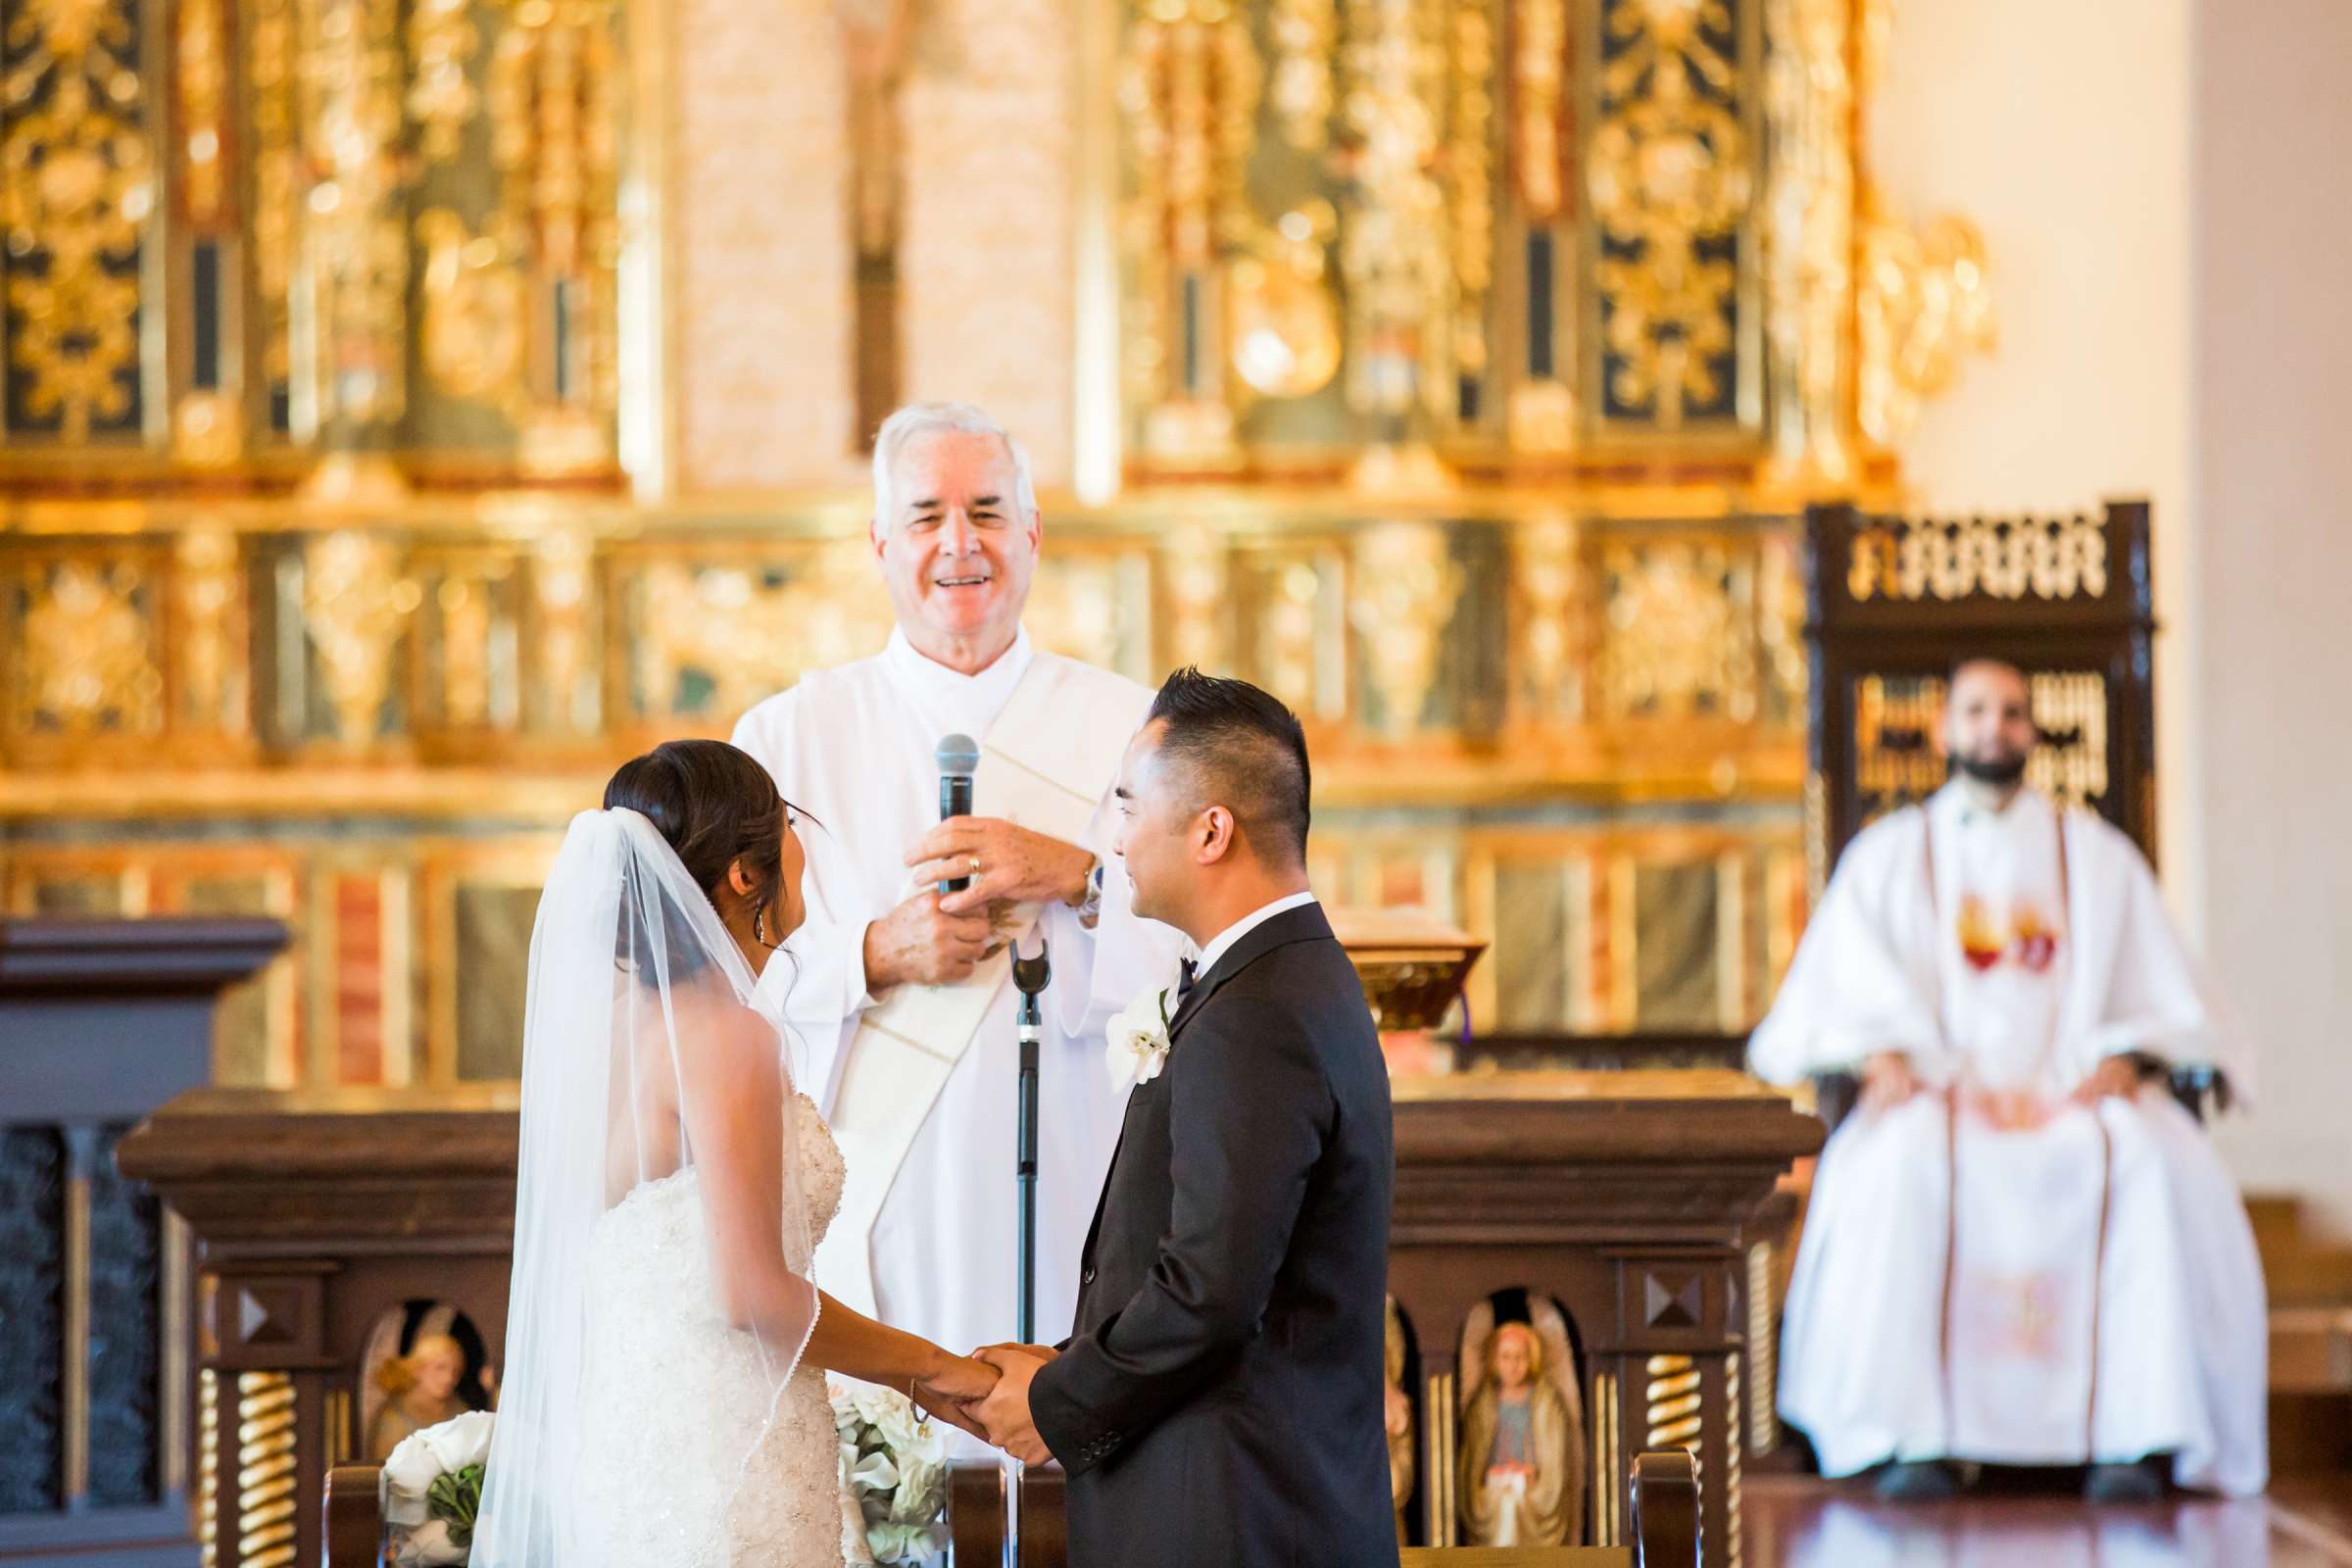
(1734, 1459)
(1675, 1402)
(2054, 558)
(1393, 251)
(1287, 633)
(277, 178)
(555, 115)
(209, 599)
(1924, 301)
(1668, 175)
(355, 601)
(86, 663)
(208, 429)
(1074, 609)
(1397, 1417)
(353, 239)
(1895, 718)
(1781, 624)
(1284, 328)
(1544, 583)
(1469, 161)
(465, 602)
(1405, 586)
(1809, 274)
(1540, 78)
(1191, 82)
(562, 582)
(268, 1459)
(442, 101)
(1305, 34)
(76, 185)
(474, 310)
(744, 636)
(1677, 640)
(1193, 571)
(201, 75)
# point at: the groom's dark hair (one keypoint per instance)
(1244, 751)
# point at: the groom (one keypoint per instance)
(1221, 1399)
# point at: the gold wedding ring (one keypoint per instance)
(975, 866)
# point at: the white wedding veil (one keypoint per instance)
(653, 1075)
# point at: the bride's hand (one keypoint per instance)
(952, 1383)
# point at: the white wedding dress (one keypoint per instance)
(638, 1427)
(676, 1399)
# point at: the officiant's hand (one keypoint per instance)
(921, 942)
(953, 1388)
(1016, 865)
(1888, 1080)
(2115, 1078)
(1006, 1410)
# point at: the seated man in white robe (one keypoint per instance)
(2020, 1249)
(901, 995)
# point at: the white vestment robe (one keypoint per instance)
(2082, 1290)
(942, 1248)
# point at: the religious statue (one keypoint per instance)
(1399, 1419)
(421, 1391)
(1521, 1459)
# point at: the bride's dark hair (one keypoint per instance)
(715, 806)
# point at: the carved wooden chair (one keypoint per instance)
(1664, 1522)
(1892, 602)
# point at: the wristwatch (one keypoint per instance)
(1090, 907)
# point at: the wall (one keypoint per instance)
(2065, 138)
(2273, 476)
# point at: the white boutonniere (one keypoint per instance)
(1137, 1047)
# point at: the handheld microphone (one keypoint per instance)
(957, 755)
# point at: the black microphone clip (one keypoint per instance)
(1030, 975)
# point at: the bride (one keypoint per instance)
(664, 1403)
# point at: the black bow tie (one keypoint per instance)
(1187, 972)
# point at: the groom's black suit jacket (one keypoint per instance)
(1220, 1401)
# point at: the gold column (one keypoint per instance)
(207, 420)
(1810, 98)
(555, 117)
(267, 1484)
(348, 312)
(1541, 413)
(1393, 253)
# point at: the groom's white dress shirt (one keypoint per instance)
(1222, 943)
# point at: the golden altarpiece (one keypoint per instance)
(413, 409)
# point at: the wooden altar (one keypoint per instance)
(1626, 1198)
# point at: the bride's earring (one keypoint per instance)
(759, 929)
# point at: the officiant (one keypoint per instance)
(902, 996)
(2020, 1249)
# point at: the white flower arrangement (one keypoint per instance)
(894, 1475)
(432, 1489)
(1136, 1045)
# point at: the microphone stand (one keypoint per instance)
(1029, 977)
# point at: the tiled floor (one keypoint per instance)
(1802, 1523)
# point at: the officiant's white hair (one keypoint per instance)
(922, 418)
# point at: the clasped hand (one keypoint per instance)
(1002, 1415)
(1889, 1080)
(939, 939)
